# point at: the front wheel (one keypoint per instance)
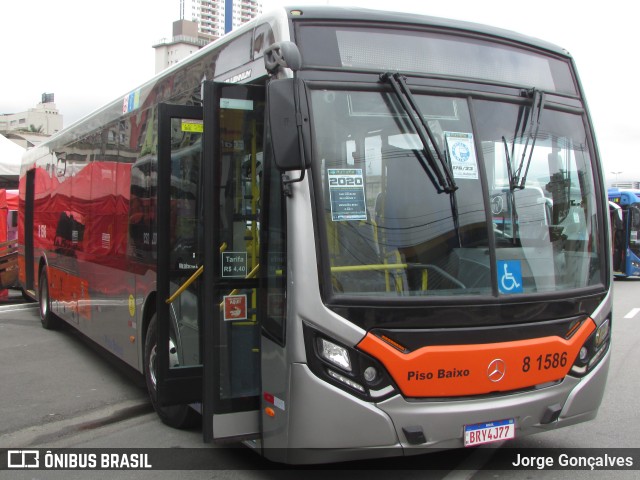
(176, 416)
(47, 317)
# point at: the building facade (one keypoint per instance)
(210, 14)
(208, 23)
(44, 119)
(186, 40)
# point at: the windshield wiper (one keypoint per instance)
(512, 186)
(440, 168)
(439, 165)
(518, 178)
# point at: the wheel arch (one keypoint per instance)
(148, 310)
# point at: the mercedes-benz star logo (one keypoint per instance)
(496, 370)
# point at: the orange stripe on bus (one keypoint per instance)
(459, 370)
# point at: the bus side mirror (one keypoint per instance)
(288, 111)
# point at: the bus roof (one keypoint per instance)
(279, 20)
(369, 15)
(624, 196)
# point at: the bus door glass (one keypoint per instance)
(179, 371)
(232, 169)
(617, 237)
(634, 229)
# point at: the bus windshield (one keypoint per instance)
(388, 228)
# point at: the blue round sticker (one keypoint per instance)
(460, 152)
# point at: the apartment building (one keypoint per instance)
(201, 22)
(211, 14)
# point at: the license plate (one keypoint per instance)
(489, 432)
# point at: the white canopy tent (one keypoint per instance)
(10, 158)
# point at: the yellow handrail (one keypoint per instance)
(197, 273)
(185, 285)
(191, 279)
(366, 268)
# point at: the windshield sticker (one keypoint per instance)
(510, 276)
(346, 191)
(462, 154)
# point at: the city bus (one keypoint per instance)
(625, 223)
(337, 234)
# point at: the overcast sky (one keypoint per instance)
(88, 53)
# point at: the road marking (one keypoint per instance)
(632, 313)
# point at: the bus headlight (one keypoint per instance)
(347, 367)
(334, 353)
(593, 349)
(602, 333)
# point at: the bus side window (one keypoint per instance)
(141, 208)
(262, 38)
(635, 217)
(235, 53)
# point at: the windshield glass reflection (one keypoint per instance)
(390, 231)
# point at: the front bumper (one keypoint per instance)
(327, 424)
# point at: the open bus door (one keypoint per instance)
(178, 366)
(208, 258)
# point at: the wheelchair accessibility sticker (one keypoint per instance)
(509, 276)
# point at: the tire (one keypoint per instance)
(176, 416)
(47, 317)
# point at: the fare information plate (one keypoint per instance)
(489, 432)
